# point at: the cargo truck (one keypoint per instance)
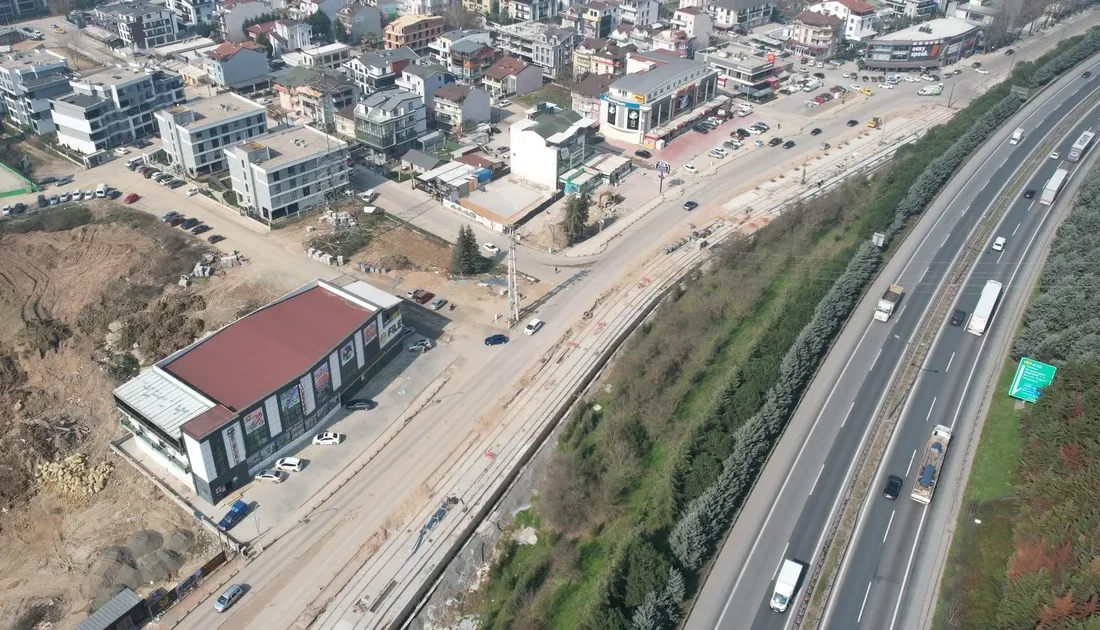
(1080, 147)
(1017, 136)
(888, 302)
(785, 585)
(931, 465)
(983, 312)
(1054, 186)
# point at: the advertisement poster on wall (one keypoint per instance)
(347, 353)
(254, 420)
(234, 445)
(370, 333)
(632, 117)
(389, 329)
(321, 378)
(290, 403)
(612, 113)
(685, 100)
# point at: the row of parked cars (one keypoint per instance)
(103, 191)
(193, 225)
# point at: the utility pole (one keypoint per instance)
(513, 281)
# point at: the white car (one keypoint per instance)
(756, 131)
(504, 103)
(191, 192)
(274, 476)
(492, 249)
(911, 79)
(1054, 155)
(289, 464)
(122, 151)
(690, 168)
(981, 71)
(327, 438)
(368, 196)
(999, 244)
(717, 153)
(886, 86)
(854, 87)
(532, 326)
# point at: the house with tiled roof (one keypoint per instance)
(511, 76)
(458, 105)
(857, 17)
(231, 64)
(814, 35)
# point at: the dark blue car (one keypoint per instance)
(236, 514)
(496, 340)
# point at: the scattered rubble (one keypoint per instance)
(72, 476)
(526, 536)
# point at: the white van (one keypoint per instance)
(532, 326)
(785, 585)
(101, 191)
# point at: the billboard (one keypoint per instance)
(321, 377)
(389, 328)
(370, 333)
(234, 444)
(612, 112)
(254, 420)
(347, 353)
(632, 118)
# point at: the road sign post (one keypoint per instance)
(1030, 379)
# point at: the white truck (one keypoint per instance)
(931, 465)
(1017, 136)
(979, 319)
(888, 302)
(789, 575)
(930, 90)
(811, 85)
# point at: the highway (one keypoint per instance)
(798, 515)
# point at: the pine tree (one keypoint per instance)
(648, 616)
(688, 540)
(465, 259)
(339, 31)
(575, 217)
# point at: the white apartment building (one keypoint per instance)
(548, 143)
(858, 16)
(426, 7)
(744, 14)
(440, 49)
(638, 12)
(532, 10)
(542, 45)
(330, 56)
(27, 83)
(196, 133)
(694, 22)
(285, 173)
(379, 70)
(111, 107)
(193, 11)
(140, 25)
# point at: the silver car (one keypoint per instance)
(228, 598)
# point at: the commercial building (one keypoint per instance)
(457, 105)
(315, 94)
(815, 35)
(359, 19)
(510, 76)
(588, 94)
(440, 49)
(16, 10)
(231, 15)
(139, 25)
(288, 172)
(379, 70)
(547, 143)
(331, 56)
(220, 410)
(656, 104)
(193, 11)
(744, 70)
(236, 65)
(27, 82)
(548, 47)
(594, 19)
(388, 123)
(111, 107)
(932, 44)
(415, 32)
(858, 17)
(195, 134)
(741, 14)
(639, 12)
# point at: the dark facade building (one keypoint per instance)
(223, 408)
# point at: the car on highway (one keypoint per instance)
(815, 131)
(289, 464)
(328, 438)
(421, 346)
(424, 297)
(999, 244)
(215, 238)
(496, 340)
(893, 487)
(690, 205)
(237, 511)
(492, 249)
(642, 153)
(1086, 75)
(1054, 155)
(356, 404)
(533, 326)
(274, 476)
(958, 316)
(1029, 193)
(437, 304)
(690, 168)
(853, 123)
(228, 598)
(788, 144)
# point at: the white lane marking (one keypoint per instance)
(947, 238)
(930, 408)
(782, 557)
(842, 422)
(1017, 228)
(864, 604)
(948, 368)
(790, 473)
(926, 270)
(818, 477)
(902, 309)
(875, 361)
(888, 525)
(908, 565)
(965, 210)
(911, 458)
(1000, 257)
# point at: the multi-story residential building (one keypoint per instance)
(741, 14)
(548, 47)
(291, 35)
(594, 19)
(611, 60)
(530, 10)
(743, 69)
(858, 16)
(646, 106)
(193, 11)
(379, 70)
(548, 143)
(912, 9)
(303, 9)
(440, 49)
(639, 12)
(675, 42)
(27, 82)
(315, 94)
(424, 79)
(387, 123)
(483, 7)
(140, 25)
(413, 31)
(331, 56)
(195, 134)
(16, 10)
(459, 105)
(359, 19)
(696, 22)
(814, 35)
(510, 76)
(469, 60)
(582, 56)
(111, 107)
(288, 172)
(588, 93)
(426, 7)
(230, 16)
(233, 65)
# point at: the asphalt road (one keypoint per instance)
(799, 514)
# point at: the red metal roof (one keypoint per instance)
(254, 356)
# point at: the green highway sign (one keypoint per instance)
(1030, 379)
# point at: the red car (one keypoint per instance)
(131, 198)
(424, 297)
(174, 221)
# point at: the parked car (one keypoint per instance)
(413, 293)
(216, 238)
(815, 131)
(289, 464)
(174, 221)
(504, 103)
(113, 194)
(368, 196)
(46, 180)
(274, 476)
(176, 184)
(228, 598)
(533, 326)
(496, 340)
(237, 511)
(717, 153)
(853, 123)
(200, 229)
(42, 201)
(690, 205)
(328, 438)
(64, 180)
(189, 223)
(64, 197)
(424, 297)
(121, 151)
(360, 403)
(437, 304)
(1010, 51)
(492, 249)
(774, 142)
(642, 153)
(422, 345)
(191, 192)
(741, 133)
(893, 487)
(54, 200)
(690, 168)
(958, 317)
(700, 129)
(168, 216)
(788, 144)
